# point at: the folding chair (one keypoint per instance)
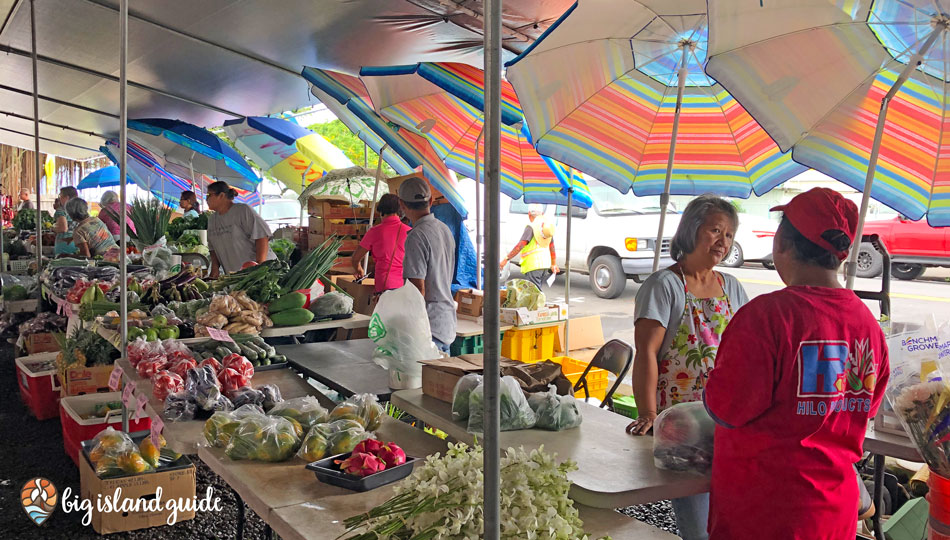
(616, 356)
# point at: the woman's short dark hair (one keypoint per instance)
(69, 192)
(684, 239)
(388, 204)
(222, 187)
(803, 249)
(189, 195)
(77, 209)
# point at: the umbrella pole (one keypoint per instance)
(372, 206)
(303, 181)
(851, 267)
(567, 264)
(36, 142)
(665, 197)
(123, 168)
(478, 209)
(492, 452)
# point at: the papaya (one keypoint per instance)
(294, 300)
(292, 317)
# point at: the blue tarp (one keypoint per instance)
(465, 261)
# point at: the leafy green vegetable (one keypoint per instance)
(282, 248)
(26, 220)
(151, 220)
(189, 240)
(179, 225)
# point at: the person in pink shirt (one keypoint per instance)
(386, 242)
(799, 373)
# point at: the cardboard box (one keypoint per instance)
(363, 293)
(439, 376)
(87, 380)
(348, 246)
(177, 483)
(40, 343)
(585, 332)
(524, 316)
(321, 206)
(470, 301)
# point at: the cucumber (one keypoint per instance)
(249, 353)
(265, 362)
(294, 300)
(221, 352)
(233, 347)
(264, 346)
(278, 359)
(261, 352)
(292, 317)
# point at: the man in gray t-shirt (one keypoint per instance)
(429, 262)
(233, 235)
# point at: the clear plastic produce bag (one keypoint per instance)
(316, 444)
(523, 293)
(554, 412)
(263, 438)
(513, 407)
(460, 394)
(221, 426)
(306, 410)
(364, 408)
(683, 438)
(332, 303)
(400, 329)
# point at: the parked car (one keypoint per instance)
(913, 245)
(611, 242)
(753, 242)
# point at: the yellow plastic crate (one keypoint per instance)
(597, 381)
(529, 345)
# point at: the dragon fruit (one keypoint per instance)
(361, 464)
(368, 446)
(391, 455)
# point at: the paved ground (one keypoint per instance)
(909, 299)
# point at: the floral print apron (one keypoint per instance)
(692, 354)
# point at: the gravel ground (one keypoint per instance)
(32, 448)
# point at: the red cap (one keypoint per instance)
(825, 217)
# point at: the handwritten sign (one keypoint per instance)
(219, 335)
(127, 394)
(115, 378)
(155, 432)
(140, 402)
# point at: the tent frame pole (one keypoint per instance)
(665, 197)
(492, 454)
(478, 208)
(851, 267)
(123, 168)
(372, 206)
(303, 186)
(36, 141)
(567, 263)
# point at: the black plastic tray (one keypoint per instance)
(272, 366)
(337, 317)
(329, 473)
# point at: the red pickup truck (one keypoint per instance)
(913, 245)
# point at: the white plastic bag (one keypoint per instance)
(554, 412)
(683, 438)
(461, 392)
(158, 257)
(400, 329)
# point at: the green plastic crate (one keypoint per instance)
(625, 405)
(470, 345)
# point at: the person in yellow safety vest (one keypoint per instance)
(536, 248)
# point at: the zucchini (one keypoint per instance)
(221, 352)
(261, 352)
(265, 361)
(292, 317)
(248, 353)
(278, 359)
(294, 300)
(233, 347)
(264, 346)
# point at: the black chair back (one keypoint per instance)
(616, 356)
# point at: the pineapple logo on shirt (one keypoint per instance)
(833, 369)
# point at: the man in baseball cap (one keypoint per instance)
(798, 374)
(429, 261)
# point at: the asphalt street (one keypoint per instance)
(910, 300)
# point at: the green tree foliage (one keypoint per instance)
(340, 136)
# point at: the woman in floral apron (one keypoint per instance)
(680, 314)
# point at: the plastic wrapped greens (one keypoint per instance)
(364, 408)
(513, 407)
(221, 426)
(180, 407)
(460, 394)
(306, 410)
(263, 438)
(330, 304)
(523, 293)
(683, 438)
(554, 412)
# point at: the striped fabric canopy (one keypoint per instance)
(146, 170)
(421, 98)
(413, 149)
(814, 78)
(599, 94)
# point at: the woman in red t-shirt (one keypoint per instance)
(799, 373)
(386, 242)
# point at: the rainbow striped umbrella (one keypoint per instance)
(626, 100)
(335, 89)
(422, 98)
(858, 90)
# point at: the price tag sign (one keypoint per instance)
(140, 402)
(115, 378)
(156, 431)
(219, 335)
(127, 394)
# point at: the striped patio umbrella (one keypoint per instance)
(292, 154)
(422, 98)
(413, 149)
(858, 90)
(148, 172)
(626, 100)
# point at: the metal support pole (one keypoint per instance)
(492, 485)
(303, 182)
(372, 206)
(851, 267)
(567, 264)
(123, 171)
(665, 197)
(36, 141)
(478, 209)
